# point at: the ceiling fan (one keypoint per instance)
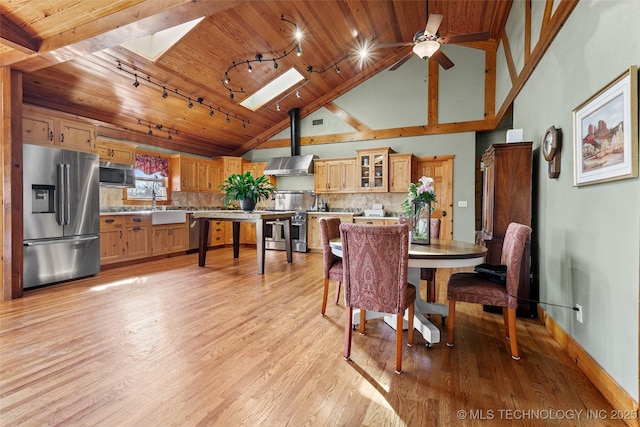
(426, 43)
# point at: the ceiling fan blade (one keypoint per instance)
(442, 59)
(471, 37)
(433, 23)
(401, 61)
(383, 45)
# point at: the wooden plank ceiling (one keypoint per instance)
(69, 53)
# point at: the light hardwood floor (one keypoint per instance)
(166, 343)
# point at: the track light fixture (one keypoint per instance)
(297, 93)
(176, 92)
(156, 128)
(261, 58)
(337, 70)
(169, 135)
(150, 131)
(277, 106)
(228, 120)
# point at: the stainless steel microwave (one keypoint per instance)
(117, 175)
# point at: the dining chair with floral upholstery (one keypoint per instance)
(375, 260)
(478, 289)
(332, 267)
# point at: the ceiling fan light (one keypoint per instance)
(426, 48)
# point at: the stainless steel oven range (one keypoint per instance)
(300, 202)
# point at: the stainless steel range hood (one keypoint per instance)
(295, 164)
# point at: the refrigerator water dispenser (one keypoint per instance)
(43, 198)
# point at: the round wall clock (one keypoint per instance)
(551, 145)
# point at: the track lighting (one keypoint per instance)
(165, 90)
(299, 51)
(297, 93)
(259, 57)
(169, 136)
(243, 126)
(226, 78)
(275, 64)
(249, 66)
(337, 70)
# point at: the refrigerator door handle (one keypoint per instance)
(40, 242)
(67, 199)
(60, 195)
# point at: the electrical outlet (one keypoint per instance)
(579, 313)
(462, 203)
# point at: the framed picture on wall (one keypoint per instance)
(605, 133)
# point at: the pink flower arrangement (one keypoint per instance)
(422, 191)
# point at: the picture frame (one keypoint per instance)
(605, 133)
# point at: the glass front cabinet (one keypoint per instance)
(373, 169)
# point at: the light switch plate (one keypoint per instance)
(462, 203)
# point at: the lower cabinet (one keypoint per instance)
(168, 238)
(314, 239)
(216, 233)
(247, 233)
(376, 221)
(124, 237)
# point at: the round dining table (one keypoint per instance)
(439, 254)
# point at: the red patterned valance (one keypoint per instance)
(152, 164)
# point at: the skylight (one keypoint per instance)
(272, 89)
(152, 47)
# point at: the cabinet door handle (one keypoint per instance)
(50, 135)
(137, 219)
(109, 220)
(62, 137)
(121, 234)
(136, 228)
(444, 213)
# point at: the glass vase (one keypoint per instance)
(421, 223)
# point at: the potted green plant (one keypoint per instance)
(246, 189)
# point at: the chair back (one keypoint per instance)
(434, 230)
(512, 252)
(375, 260)
(329, 229)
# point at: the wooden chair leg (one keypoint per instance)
(324, 296)
(451, 318)
(348, 313)
(338, 292)
(513, 339)
(410, 331)
(505, 316)
(363, 317)
(399, 323)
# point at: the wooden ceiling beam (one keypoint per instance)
(15, 37)
(128, 24)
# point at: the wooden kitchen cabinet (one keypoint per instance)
(137, 236)
(116, 152)
(184, 173)
(216, 233)
(124, 237)
(111, 239)
(169, 238)
(334, 176)
(231, 165)
(247, 233)
(375, 220)
(372, 170)
(209, 176)
(400, 168)
(44, 127)
(314, 240)
(506, 198)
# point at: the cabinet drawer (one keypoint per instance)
(110, 222)
(137, 220)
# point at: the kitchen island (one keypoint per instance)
(236, 216)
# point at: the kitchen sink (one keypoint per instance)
(168, 217)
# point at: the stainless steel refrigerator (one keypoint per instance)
(61, 215)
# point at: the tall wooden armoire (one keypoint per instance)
(506, 198)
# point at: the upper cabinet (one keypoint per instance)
(116, 152)
(184, 173)
(334, 175)
(373, 170)
(400, 167)
(45, 127)
(257, 169)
